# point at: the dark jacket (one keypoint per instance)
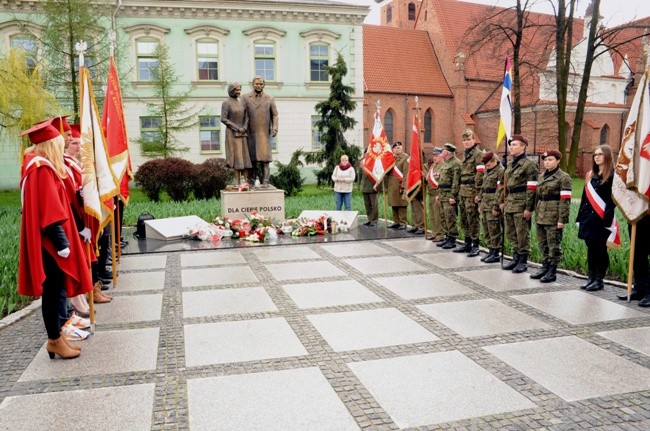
(591, 226)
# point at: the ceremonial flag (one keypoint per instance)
(641, 159)
(379, 158)
(505, 109)
(115, 132)
(99, 183)
(624, 188)
(414, 175)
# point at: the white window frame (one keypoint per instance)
(211, 33)
(139, 32)
(264, 34)
(216, 128)
(318, 36)
(18, 28)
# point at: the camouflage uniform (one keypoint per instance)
(449, 186)
(553, 203)
(471, 178)
(520, 179)
(366, 186)
(489, 201)
(395, 190)
(435, 208)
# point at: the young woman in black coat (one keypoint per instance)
(596, 214)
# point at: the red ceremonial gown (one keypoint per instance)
(73, 183)
(45, 202)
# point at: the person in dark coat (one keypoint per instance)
(596, 215)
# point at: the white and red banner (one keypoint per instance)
(432, 179)
(598, 204)
(414, 175)
(379, 158)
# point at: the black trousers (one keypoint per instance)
(641, 255)
(597, 258)
(52, 291)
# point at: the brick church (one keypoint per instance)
(437, 53)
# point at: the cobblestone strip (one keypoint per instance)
(170, 405)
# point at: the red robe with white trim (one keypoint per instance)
(45, 202)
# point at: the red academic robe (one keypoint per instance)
(45, 202)
(74, 182)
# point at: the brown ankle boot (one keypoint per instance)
(98, 296)
(70, 344)
(59, 347)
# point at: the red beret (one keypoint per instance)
(61, 124)
(76, 130)
(41, 132)
(519, 138)
(554, 153)
(487, 157)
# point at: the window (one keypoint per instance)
(150, 134)
(604, 135)
(318, 61)
(388, 125)
(147, 58)
(411, 11)
(389, 14)
(316, 135)
(209, 133)
(27, 44)
(265, 60)
(207, 57)
(428, 126)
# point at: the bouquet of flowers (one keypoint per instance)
(203, 232)
(255, 228)
(310, 226)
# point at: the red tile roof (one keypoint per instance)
(633, 49)
(402, 61)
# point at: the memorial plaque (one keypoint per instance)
(239, 205)
(172, 228)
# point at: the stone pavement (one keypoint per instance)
(386, 334)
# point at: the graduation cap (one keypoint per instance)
(76, 130)
(41, 132)
(61, 124)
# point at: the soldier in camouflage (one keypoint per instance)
(489, 206)
(396, 188)
(433, 178)
(471, 177)
(518, 202)
(551, 213)
(449, 186)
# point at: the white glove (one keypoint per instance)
(85, 234)
(64, 253)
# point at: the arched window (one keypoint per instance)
(411, 11)
(389, 14)
(604, 135)
(428, 126)
(388, 125)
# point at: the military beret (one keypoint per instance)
(519, 138)
(468, 133)
(449, 147)
(554, 153)
(437, 150)
(487, 157)
(396, 144)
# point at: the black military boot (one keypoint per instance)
(495, 257)
(590, 280)
(522, 264)
(451, 243)
(550, 276)
(540, 272)
(513, 263)
(597, 283)
(474, 251)
(465, 248)
(490, 253)
(443, 242)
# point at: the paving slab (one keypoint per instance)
(289, 400)
(383, 265)
(103, 409)
(275, 254)
(451, 260)
(239, 341)
(105, 352)
(434, 388)
(420, 286)
(577, 307)
(227, 301)
(204, 258)
(218, 276)
(140, 262)
(481, 317)
(635, 338)
(367, 329)
(573, 368)
(414, 245)
(140, 281)
(130, 309)
(303, 270)
(355, 249)
(330, 294)
(499, 280)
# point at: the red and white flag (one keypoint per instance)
(598, 205)
(432, 179)
(414, 175)
(99, 183)
(379, 158)
(115, 132)
(631, 166)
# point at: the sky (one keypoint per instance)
(614, 12)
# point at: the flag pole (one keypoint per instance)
(630, 267)
(505, 188)
(422, 179)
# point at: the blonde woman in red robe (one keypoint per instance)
(51, 253)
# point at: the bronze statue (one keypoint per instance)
(262, 126)
(234, 116)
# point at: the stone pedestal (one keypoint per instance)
(239, 205)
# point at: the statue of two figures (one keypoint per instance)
(251, 123)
